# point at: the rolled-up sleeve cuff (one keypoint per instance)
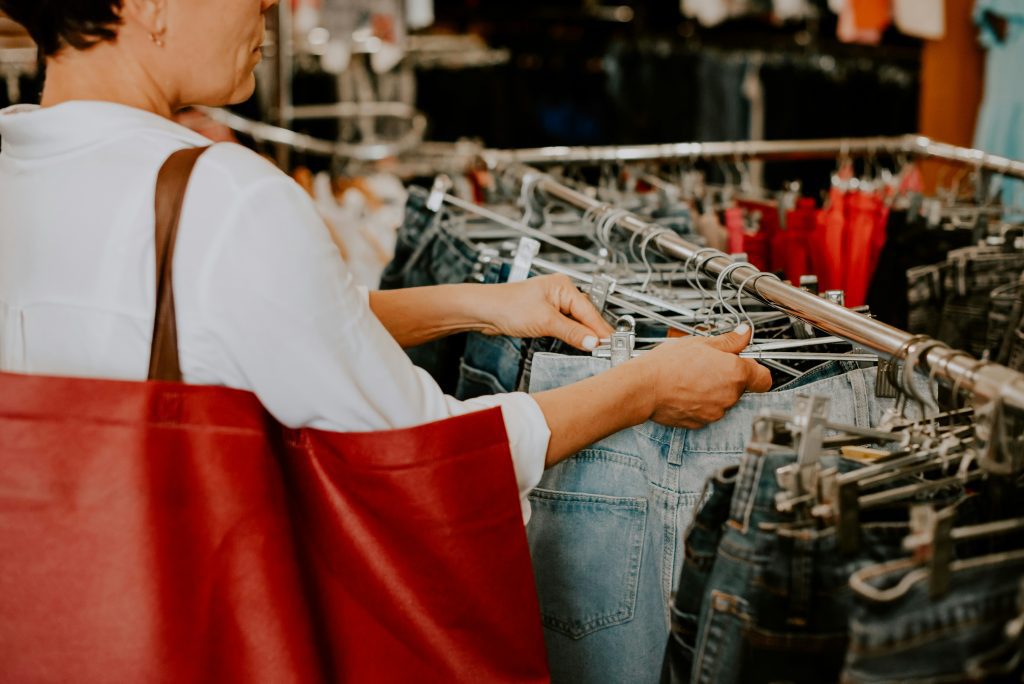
(528, 437)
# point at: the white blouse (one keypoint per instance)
(263, 301)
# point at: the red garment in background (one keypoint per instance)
(801, 223)
(827, 253)
(761, 246)
(871, 15)
(734, 225)
(879, 236)
(867, 217)
(168, 533)
(858, 235)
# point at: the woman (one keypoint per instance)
(263, 301)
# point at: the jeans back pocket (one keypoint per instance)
(586, 551)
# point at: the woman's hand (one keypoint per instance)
(684, 383)
(695, 380)
(546, 306)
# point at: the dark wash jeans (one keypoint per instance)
(898, 633)
(427, 253)
(700, 550)
(774, 604)
(969, 285)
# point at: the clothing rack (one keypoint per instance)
(986, 380)
(909, 145)
(301, 142)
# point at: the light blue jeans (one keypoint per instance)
(607, 528)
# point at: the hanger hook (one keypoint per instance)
(654, 233)
(689, 275)
(739, 295)
(895, 378)
(533, 209)
(599, 219)
(915, 352)
(610, 219)
(631, 246)
(720, 283)
(968, 376)
(698, 265)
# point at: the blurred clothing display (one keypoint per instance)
(1000, 127)
(920, 18)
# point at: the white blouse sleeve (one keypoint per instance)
(276, 304)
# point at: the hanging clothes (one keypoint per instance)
(1000, 127)
(864, 237)
(920, 18)
(828, 250)
(800, 224)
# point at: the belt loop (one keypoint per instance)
(747, 483)
(677, 446)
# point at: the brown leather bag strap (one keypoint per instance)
(171, 184)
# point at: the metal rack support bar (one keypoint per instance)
(911, 145)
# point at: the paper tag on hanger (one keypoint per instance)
(527, 249)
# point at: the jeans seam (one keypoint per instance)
(751, 495)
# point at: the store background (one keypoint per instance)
(582, 73)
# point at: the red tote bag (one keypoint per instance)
(170, 533)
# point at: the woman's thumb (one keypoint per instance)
(579, 336)
(733, 342)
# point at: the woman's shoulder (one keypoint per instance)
(238, 167)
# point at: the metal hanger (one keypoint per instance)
(933, 539)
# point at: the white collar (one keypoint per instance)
(33, 132)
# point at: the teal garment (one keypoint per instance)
(1000, 127)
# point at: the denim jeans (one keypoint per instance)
(969, 285)
(607, 524)
(428, 253)
(700, 550)
(899, 633)
(925, 295)
(775, 604)
(490, 365)
(1005, 309)
(1015, 353)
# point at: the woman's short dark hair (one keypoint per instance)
(55, 24)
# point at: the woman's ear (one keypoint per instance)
(149, 16)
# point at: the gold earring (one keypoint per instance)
(157, 40)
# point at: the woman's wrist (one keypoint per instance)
(477, 306)
(642, 380)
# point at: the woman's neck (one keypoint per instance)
(103, 73)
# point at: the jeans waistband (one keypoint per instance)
(852, 392)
